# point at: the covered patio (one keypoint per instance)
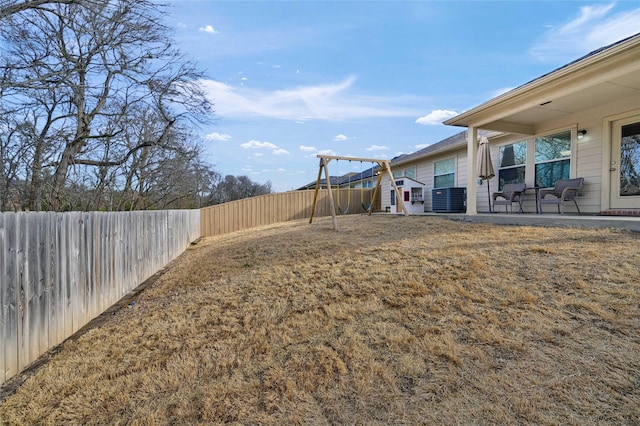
(594, 102)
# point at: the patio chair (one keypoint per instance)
(511, 193)
(564, 190)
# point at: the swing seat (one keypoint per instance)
(343, 212)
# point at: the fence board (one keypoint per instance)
(44, 271)
(32, 288)
(22, 293)
(10, 298)
(2, 298)
(67, 276)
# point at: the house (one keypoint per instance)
(580, 120)
(443, 164)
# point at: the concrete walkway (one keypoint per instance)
(586, 221)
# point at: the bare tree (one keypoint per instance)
(92, 67)
(11, 7)
(236, 188)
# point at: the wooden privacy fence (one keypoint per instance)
(280, 207)
(60, 270)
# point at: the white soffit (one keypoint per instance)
(599, 81)
(601, 94)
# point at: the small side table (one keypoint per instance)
(537, 191)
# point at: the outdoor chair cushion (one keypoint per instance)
(511, 193)
(564, 190)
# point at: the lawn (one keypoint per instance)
(391, 320)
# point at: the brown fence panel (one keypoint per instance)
(280, 207)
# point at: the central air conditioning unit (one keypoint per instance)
(448, 200)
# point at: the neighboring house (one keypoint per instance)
(354, 180)
(581, 120)
(364, 179)
(335, 182)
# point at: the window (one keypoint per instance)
(410, 173)
(406, 196)
(553, 158)
(444, 173)
(416, 195)
(630, 160)
(393, 197)
(513, 158)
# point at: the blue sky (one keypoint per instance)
(372, 79)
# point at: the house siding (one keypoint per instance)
(588, 159)
(424, 174)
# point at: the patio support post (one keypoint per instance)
(472, 170)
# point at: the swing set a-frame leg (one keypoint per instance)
(375, 193)
(323, 164)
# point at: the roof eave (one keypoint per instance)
(538, 86)
(452, 147)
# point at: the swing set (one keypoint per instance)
(385, 167)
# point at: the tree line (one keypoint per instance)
(99, 111)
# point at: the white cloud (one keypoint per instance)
(335, 102)
(594, 27)
(341, 138)
(278, 170)
(326, 152)
(208, 29)
(253, 144)
(436, 117)
(215, 136)
(377, 148)
(181, 25)
(421, 145)
(307, 148)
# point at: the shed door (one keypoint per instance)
(398, 204)
(625, 164)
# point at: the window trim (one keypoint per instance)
(515, 166)
(573, 135)
(530, 166)
(400, 173)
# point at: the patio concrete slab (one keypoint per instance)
(586, 221)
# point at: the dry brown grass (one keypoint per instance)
(392, 320)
